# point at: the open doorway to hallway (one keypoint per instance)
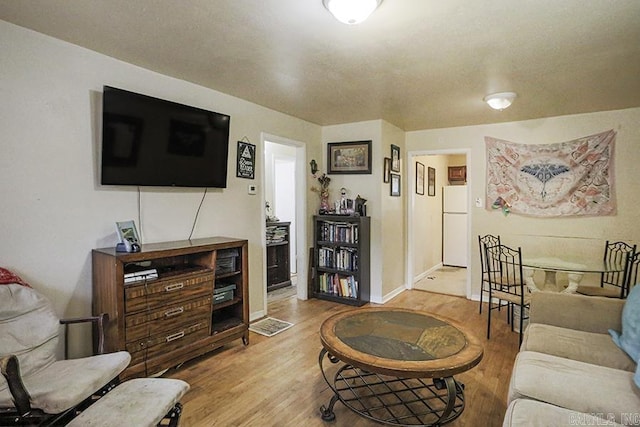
(438, 221)
(284, 194)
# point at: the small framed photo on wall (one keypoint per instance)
(419, 178)
(431, 181)
(387, 169)
(395, 158)
(395, 184)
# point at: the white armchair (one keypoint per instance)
(35, 387)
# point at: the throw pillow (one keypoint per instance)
(629, 339)
(7, 277)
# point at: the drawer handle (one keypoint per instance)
(174, 312)
(174, 287)
(175, 336)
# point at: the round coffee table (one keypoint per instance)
(396, 366)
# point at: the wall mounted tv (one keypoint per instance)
(148, 141)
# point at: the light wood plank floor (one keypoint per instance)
(277, 382)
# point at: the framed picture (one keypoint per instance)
(387, 169)
(431, 181)
(419, 178)
(395, 184)
(395, 158)
(349, 157)
(127, 231)
(246, 162)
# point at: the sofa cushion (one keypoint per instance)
(573, 385)
(629, 338)
(78, 378)
(28, 328)
(587, 347)
(532, 413)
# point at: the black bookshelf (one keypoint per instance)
(341, 259)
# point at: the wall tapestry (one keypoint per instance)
(550, 180)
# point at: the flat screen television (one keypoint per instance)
(148, 141)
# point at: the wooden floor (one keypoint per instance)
(277, 382)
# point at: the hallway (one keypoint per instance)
(445, 280)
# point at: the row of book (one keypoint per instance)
(276, 234)
(335, 284)
(338, 232)
(339, 258)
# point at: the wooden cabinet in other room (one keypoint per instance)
(278, 255)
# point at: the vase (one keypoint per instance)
(324, 202)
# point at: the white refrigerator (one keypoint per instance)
(454, 225)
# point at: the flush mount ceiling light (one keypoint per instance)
(500, 101)
(351, 11)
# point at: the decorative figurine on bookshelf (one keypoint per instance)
(361, 209)
(344, 206)
(269, 213)
(323, 191)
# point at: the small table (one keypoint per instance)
(386, 355)
(575, 271)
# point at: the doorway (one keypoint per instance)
(426, 267)
(284, 191)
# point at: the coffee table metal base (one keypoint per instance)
(392, 400)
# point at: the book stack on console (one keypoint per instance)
(140, 275)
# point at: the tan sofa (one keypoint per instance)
(568, 370)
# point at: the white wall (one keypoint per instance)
(53, 209)
(580, 236)
(393, 225)
(386, 212)
(426, 218)
(363, 185)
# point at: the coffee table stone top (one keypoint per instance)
(400, 342)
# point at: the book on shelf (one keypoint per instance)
(339, 258)
(333, 231)
(335, 284)
(140, 278)
(276, 234)
(144, 272)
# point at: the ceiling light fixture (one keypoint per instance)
(500, 101)
(351, 11)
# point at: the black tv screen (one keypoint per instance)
(148, 141)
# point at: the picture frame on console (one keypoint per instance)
(128, 235)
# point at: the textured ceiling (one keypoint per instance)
(418, 64)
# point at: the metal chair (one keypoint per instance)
(613, 284)
(506, 283)
(632, 274)
(483, 242)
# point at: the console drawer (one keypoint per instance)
(153, 322)
(165, 292)
(148, 348)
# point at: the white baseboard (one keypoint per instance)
(426, 273)
(256, 315)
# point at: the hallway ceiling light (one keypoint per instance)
(500, 101)
(351, 11)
